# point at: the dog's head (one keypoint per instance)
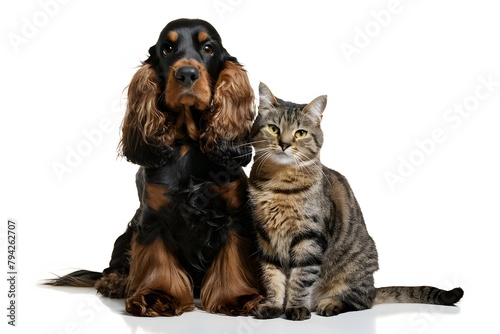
(188, 58)
(190, 86)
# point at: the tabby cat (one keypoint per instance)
(315, 251)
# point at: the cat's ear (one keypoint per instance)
(266, 97)
(316, 107)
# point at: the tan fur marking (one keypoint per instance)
(198, 96)
(230, 284)
(156, 198)
(157, 284)
(233, 193)
(184, 150)
(202, 36)
(173, 36)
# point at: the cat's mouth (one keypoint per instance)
(283, 157)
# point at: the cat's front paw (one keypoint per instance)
(266, 311)
(298, 313)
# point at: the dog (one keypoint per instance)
(189, 114)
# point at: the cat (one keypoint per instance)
(315, 252)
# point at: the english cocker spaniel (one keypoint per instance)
(189, 113)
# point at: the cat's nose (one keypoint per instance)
(284, 146)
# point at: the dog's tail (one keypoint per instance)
(79, 278)
(417, 294)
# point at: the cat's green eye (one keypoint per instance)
(273, 129)
(299, 134)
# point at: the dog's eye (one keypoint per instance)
(167, 49)
(208, 49)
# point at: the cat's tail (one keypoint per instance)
(79, 278)
(417, 294)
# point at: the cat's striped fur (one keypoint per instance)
(315, 251)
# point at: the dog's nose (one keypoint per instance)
(187, 75)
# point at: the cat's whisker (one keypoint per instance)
(243, 155)
(313, 164)
(268, 155)
(258, 150)
(302, 167)
(316, 164)
(300, 164)
(260, 160)
(250, 143)
(303, 162)
(258, 141)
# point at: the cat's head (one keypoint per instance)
(287, 133)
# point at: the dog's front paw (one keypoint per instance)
(155, 303)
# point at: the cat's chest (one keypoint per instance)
(282, 215)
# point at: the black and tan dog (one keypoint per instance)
(188, 119)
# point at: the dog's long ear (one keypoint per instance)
(146, 132)
(227, 126)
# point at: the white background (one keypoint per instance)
(438, 227)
